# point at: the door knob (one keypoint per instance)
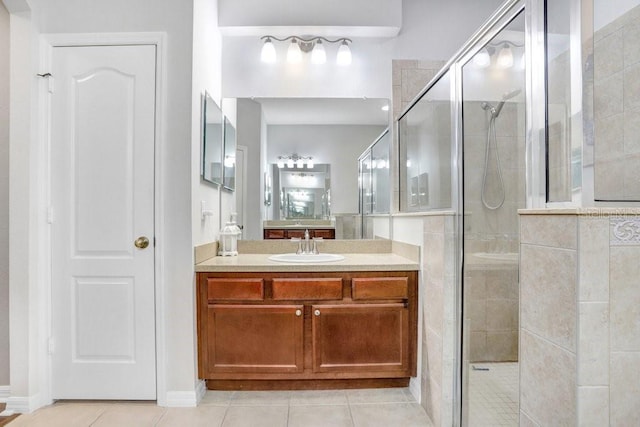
(317, 312)
(141, 242)
(298, 313)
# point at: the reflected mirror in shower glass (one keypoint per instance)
(211, 141)
(560, 181)
(426, 150)
(493, 147)
(229, 170)
(380, 173)
(616, 100)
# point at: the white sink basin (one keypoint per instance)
(306, 257)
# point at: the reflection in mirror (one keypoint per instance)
(331, 132)
(212, 134)
(616, 100)
(229, 174)
(304, 194)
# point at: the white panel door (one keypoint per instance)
(102, 191)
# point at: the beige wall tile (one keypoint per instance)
(548, 293)
(625, 389)
(434, 306)
(502, 346)
(608, 96)
(625, 298)
(608, 57)
(632, 131)
(593, 344)
(631, 50)
(525, 421)
(434, 356)
(609, 133)
(547, 382)
(549, 230)
(593, 406)
(501, 314)
(593, 257)
(434, 224)
(632, 87)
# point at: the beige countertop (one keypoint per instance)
(360, 255)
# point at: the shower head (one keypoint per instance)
(506, 96)
(509, 95)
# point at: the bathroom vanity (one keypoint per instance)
(268, 325)
(287, 229)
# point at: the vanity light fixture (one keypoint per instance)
(300, 45)
(504, 58)
(294, 160)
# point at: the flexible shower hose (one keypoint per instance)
(491, 136)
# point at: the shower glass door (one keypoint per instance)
(493, 111)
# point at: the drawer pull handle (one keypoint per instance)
(317, 312)
(298, 313)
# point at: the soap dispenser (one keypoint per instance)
(229, 236)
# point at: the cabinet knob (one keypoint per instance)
(317, 312)
(298, 313)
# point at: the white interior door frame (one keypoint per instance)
(47, 43)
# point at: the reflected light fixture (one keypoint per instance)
(319, 54)
(294, 160)
(482, 59)
(344, 54)
(268, 53)
(502, 51)
(294, 54)
(300, 45)
(505, 57)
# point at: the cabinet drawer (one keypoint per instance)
(324, 233)
(273, 234)
(295, 234)
(235, 289)
(307, 289)
(366, 288)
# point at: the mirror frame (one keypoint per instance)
(209, 143)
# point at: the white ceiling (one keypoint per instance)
(324, 111)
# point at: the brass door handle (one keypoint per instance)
(141, 242)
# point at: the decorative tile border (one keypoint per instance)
(625, 230)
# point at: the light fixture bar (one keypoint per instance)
(299, 45)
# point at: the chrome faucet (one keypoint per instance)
(307, 245)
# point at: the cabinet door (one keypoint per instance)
(254, 338)
(325, 233)
(270, 233)
(361, 337)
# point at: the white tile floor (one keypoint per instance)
(334, 408)
(493, 394)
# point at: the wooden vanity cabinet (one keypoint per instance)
(307, 330)
(282, 233)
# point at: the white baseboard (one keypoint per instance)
(184, 399)
(23, 405)
(201, 389)
(5, 392)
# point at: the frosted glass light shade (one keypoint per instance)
(310, 163)
(290, 163)
(294, 54)
(268, 53)
(344, 54)
(318, 54)
(505, 57)
(299, 163)
(482, 59)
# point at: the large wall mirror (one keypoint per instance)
(317, 142)
(212, 134)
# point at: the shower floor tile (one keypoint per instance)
(493, 394)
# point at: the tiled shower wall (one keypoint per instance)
(617, 108)
(438, 265)
(580, 326)
(491, 287)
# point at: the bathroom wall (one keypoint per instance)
(175, 19)
(579, 320)
(4, 199)
(206, 75)
(617, 108)
(426, 33)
